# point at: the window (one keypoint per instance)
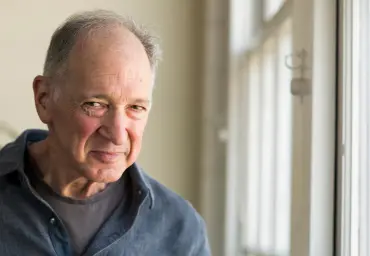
(283, 156)
(265, 216)
(271, 7)
(355, 164)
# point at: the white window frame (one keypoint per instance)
(312, 212)
(264, 192)
(353, 222)
(236, 111)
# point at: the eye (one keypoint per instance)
(93, 108)
(93, 104)
(137, 108)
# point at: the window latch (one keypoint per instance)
(299, 86)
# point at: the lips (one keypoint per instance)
(106, 157)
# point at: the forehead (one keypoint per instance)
(110, 60)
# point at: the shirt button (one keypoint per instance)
(52, 221)
(139, 192)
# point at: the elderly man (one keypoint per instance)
(76, 189)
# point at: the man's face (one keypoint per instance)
(98, 114)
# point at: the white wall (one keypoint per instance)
(171, 145)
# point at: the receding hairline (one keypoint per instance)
(84, 26)
(97, 41)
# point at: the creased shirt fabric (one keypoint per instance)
(158, 222)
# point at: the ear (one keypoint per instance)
(42, 96)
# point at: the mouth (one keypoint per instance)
(106, 157)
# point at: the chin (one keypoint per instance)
(103, 175)
(104, 172)
(103, 169)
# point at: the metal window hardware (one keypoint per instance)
(299, 86)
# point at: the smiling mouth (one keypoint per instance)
(106, 157)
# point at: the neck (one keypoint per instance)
(59, 176)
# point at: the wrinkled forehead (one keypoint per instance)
(114, 54)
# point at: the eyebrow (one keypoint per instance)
(135, 101)
(142, 101)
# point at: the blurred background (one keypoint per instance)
(255, 102)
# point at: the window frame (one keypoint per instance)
(257, 40)
(312, 210)
(270, 49)
(349, 182)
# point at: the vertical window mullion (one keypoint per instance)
(267, 142)
(253, 153)
(276, 109)
(283, 142)
(260, 153)
(367, 111)
(364, 99)
(355, 178)
(346, 174)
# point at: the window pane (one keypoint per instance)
(355, 230)
(267, 206)
(283, 145)
(252, 183)
(267, 156)
(271, 7)
(364, 125)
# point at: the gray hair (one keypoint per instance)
(79, 24)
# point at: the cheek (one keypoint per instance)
(86, 126)
(74, 122)
(136, 130)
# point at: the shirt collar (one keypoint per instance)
(12, 159)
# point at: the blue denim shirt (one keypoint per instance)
(159, 222)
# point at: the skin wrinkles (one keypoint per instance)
(97, 121)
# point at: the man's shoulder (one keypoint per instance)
(177, 220)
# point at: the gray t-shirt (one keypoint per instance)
(82, 218)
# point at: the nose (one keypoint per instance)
(114, 127)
